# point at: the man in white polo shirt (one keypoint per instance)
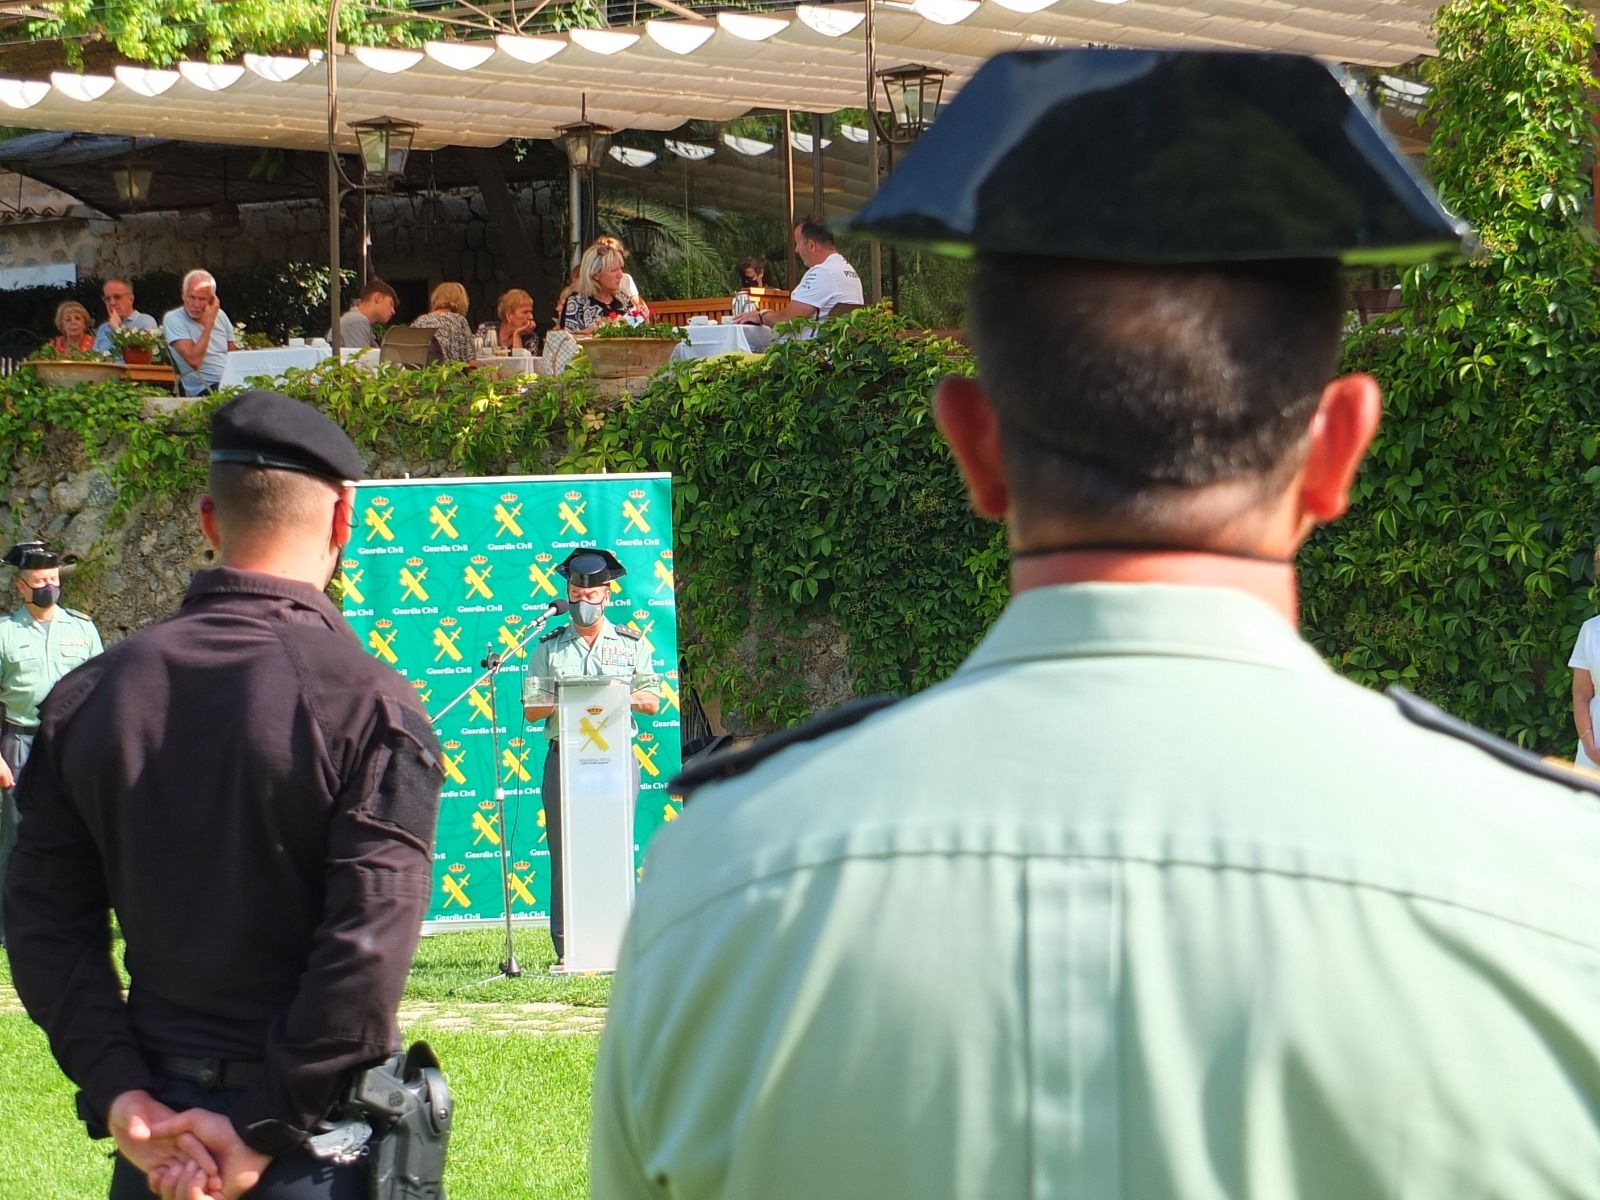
(829, 280)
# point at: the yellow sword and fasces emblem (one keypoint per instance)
(669, 812)
(592, 735)
(476, 576)
(350, 581)
(664, 581)
(543, 578)
(442, 521)
(486, 828)
(669, 694)
(508, 639)
(456, 888)
(647, 759)
(452, 764)
(480, 704)
(446, 639)
(383, 646)
(519, 886)
(423, 691)
(642, 627)
(507, 517)
(412, 581)
(377, 522)
(572, 518)
(515, 764)
(635, 512)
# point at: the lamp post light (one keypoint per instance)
(385, 144)
(585, 144)
(133, 184)
(914, 93)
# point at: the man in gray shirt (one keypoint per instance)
(375, 306)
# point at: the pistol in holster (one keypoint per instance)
(398, 1116)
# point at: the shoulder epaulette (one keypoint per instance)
(628, 632)
(82, 616)
(1430, 716)
(737, 762)
(554, 633)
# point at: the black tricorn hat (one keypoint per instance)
(1162, 156)
(590, 567)
(259, 428)
(31, 556)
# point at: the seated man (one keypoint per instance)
(199, 335)
(374, 306)
(120, 314)
(828, 282)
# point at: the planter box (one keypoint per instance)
(625, 357)
(67, 372)
(134, 356)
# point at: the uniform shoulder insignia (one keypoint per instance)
(627, 632)
(1430, 716)
(737, 762)
(552, 635)
(82, 616)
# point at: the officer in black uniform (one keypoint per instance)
(255, 798)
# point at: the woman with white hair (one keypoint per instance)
(599, 296)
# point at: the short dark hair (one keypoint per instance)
(377, 287)
(262, 500)
(755, 263)
(1121, 388)
(813, 229)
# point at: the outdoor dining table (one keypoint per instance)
(707, 341)
(272, 362)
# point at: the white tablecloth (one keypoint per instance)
(247, 364)
(707, 341)
(511, 366)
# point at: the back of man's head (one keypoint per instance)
(1122, 390)
(256, 506)
(812, 228)
(376, 287)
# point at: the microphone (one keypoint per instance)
(554, 609)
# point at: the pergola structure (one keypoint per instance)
(657, 75)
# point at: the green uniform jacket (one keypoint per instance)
(34, 655)
(617, 652)
(1144, 902)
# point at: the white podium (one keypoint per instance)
(599, 788)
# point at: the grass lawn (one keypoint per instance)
(519, 1054)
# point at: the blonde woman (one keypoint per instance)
(74, 328)
(629, 288)
(447, 317)
(516, 321)
(599, 296)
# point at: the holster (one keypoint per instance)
(403, 1106)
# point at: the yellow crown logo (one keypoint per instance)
(647, 737)
(457, 868)
(447, 622)
(640, 614)
(446, 499)
(666, 554)
(478, 560)
(384, 623)
(519, 741)
(513, 619)
(452, 745)
(413, 561)
(380, 502)
(486, 805)
(542, 557)
(673, 674)
(347, 563)
(636, 494)
(595, 711)
(521, 864)
(508, 497)
(574, 495)
(419, 684)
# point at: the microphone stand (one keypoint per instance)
(509, 968)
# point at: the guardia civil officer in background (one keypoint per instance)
(254, 797)
(588, 645)
(39, 643)
(1145, 901)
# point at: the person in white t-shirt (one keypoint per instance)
(829, 280)
(1585, 663)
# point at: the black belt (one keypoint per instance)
(220, 1073)
(13, 727)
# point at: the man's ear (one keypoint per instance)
(971, 427)
(344, 516)
(208, 522)
(1346, 420)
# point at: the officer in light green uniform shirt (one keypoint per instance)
(588, 645)
(1145, 901)
(39, 643)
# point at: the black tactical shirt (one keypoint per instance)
(255, 797)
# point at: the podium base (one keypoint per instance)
(564, 971)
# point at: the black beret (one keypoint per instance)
(1157, 157)
(31, 556)
(591, 567)
(267, 429)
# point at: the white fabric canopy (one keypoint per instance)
(662, 73)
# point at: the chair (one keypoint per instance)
(560, 348)
(407, 347)
(843, 309)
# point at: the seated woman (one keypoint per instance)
(447, 317)
(74, 328)
(599, 296)
(753, 272)
(629, 288)
(516, 321)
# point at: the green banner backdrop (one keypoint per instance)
(437, 572)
